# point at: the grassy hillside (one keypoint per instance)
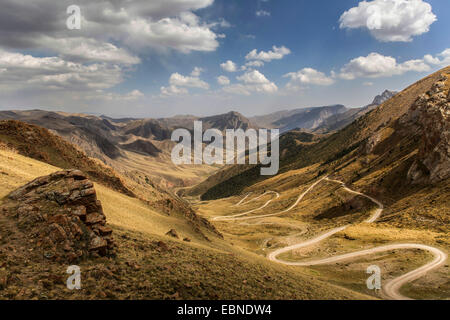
(149, 264)
(39, 143)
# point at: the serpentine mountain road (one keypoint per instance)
(392, 288)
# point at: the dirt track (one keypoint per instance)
(391, 289)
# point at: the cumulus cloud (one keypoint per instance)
(140, 24)
(53, 73)
(179, 83)
(113, 36)
(85, 50)
(442, 59)
(252, 81)
(184, 34)
(308, 76)
(229, 66)
(253, 77)
(197, 72)
(390, 20)
(276, 53)
(376, 65)
(173, 91)
(223, 81)
(179, 80)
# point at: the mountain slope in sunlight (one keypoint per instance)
(148, 264)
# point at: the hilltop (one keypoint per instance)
(40, 144)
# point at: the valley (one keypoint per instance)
(392, 287)
(307, 216)
(356, 188)
(225, 159)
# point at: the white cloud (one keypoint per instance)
(183, 34)
(114, 24)
(390, 20)
(84, 64)
(53, 73)
(82, 49)
(253, 77)
(376, 65)
(179, 80)
(417, 65)
(197, 72)
(178, 84)
(252, 81)
(308, 76)
(229, 66)
(262, 13)
(442, 59)
(163, 8)
(173, 91)
(223, 81)
(135, 94)
(276, 53)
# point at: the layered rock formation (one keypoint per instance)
(60, 213)
(430, 115)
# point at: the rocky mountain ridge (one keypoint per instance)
(430, 115)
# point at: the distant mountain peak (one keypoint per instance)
(382, 98)
(230, 120)
(235, 114)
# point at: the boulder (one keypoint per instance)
(172, 233)
(62, 215)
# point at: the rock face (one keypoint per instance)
(61, 214)
(430, 114)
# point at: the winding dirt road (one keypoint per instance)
(236, 216)
(390, 289)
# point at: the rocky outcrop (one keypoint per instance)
(172, 233)
(60, 213)
(430, 115)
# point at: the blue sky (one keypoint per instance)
(138, 59)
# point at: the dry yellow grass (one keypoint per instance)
(131, 216)
(260, 239)
(120, 210)
(162, 170)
